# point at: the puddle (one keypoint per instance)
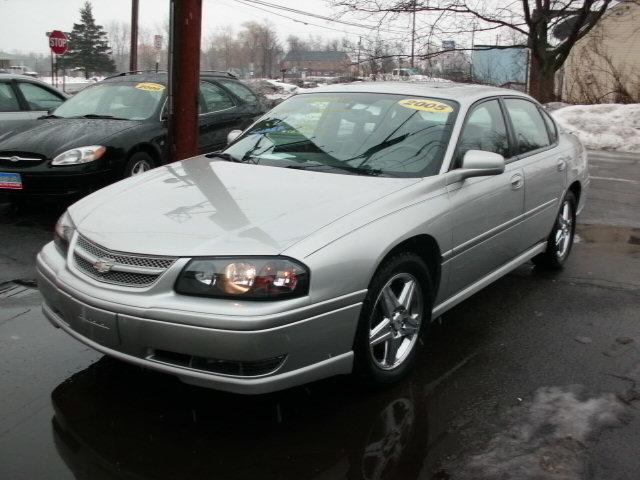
(607, 234)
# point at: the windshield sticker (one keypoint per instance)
(150, 87)
(426, 105)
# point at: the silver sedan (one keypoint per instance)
(323, 240)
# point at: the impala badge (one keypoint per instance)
(103, 265)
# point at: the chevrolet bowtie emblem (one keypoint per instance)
(103, 265)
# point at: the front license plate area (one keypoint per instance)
(95, 324)
(10, 181)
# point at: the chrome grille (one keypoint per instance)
(123, 269)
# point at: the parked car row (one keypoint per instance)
(110, 130)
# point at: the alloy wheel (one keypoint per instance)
(395, 321)
(565, 230)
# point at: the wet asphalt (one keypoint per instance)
(536, 376)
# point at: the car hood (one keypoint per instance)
(50, 137)
(202, 206)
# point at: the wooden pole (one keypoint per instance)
(185, 18)
(133, 55)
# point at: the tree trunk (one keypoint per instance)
(541, 80)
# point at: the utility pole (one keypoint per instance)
(133, 55)
(185, 23)
(359, 48)
(413, 35)
(473, 44)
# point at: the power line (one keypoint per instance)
(321, 17)
(245, 2)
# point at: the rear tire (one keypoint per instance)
(139, 163)
(396, 312)
(561, 237)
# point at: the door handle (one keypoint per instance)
(517, 181)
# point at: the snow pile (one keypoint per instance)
(603, 127)
(285, 88)
(544, 438)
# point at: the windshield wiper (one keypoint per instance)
(95, 115)
(224, 156)
(354, 170)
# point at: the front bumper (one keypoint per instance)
(313, 344)
(59, 185)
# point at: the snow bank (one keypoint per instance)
(603, 127)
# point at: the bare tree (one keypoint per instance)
(531, 20)
(120, 41)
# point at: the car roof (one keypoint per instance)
(463, 93)
(153, 76)
(18, 76)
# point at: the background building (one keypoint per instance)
(317, 63)
(500, 66)
(604, 66)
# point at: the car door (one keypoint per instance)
(39, 100)
(543, 166)
(10, 105)
(484, 211)
(219, 115)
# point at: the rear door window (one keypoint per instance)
(8, 100)
(215, 98)
(240, 90)
(553, 130)
(529, 127)
(39, 98)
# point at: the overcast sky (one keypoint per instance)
(23, 23)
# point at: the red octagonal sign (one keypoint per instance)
(58, 42)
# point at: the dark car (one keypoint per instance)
(26, 98)
(113, 129)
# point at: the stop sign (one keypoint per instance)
(58, 42)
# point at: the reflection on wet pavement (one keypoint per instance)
(116, 421)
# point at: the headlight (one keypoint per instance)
(63, 232)
(265, 278)
(79, 155)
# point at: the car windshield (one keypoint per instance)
(123, 100)
(361, 133)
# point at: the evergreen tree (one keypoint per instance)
(88, 46)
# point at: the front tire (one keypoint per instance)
(395, 313)
(138, 163)
(561, 237)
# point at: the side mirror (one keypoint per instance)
(477, 163)
(232, 135)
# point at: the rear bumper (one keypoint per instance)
(241, 361)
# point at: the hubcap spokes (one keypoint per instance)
(395, 322)
(140, 167)
(565, 230)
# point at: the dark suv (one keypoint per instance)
(114, 129)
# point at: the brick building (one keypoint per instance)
(317, 63)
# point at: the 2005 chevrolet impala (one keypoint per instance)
(322, 241)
